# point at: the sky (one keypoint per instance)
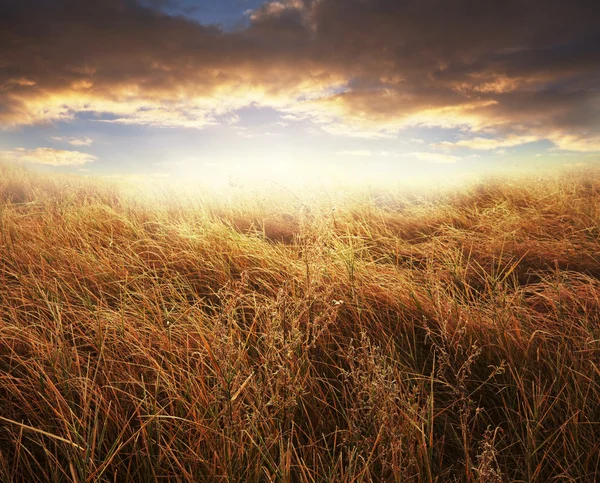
(259, 89)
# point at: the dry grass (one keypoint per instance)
(448, 337)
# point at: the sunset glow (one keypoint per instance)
(298, 89)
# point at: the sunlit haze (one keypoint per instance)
(238, 92)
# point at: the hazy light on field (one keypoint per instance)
(278, 173)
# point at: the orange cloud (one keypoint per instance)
(48, 156)
(488, 144)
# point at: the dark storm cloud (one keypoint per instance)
(514, 68)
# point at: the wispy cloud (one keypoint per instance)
(577, 143)
(489, 144)
(74, 141)
(434, 157)
(48, 156)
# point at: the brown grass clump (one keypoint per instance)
(446, 337)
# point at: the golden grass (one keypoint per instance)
(382, 337)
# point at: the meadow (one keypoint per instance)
(382, 335)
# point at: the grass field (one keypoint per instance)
(379, 336)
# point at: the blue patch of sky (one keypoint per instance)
(229, 14)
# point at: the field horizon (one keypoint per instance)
(445, 335)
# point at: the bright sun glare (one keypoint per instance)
(284, 171)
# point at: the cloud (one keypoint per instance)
(489, 144)
(232, 120)
(81, 142)
(48, 156)
(434, 157)
(74, 141)
(356, 68)
(577, 143)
